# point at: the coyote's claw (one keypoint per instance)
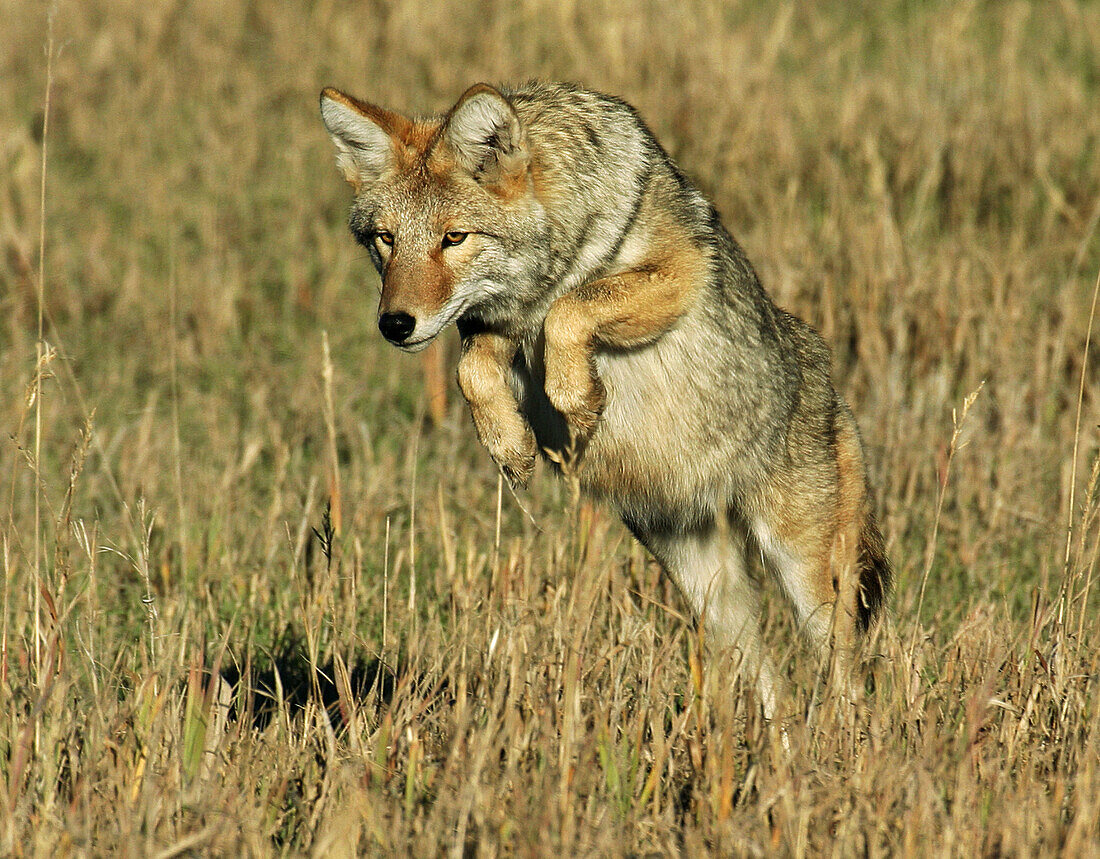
(516, 458)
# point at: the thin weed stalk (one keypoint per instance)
(173, 368)
(1066, 573)
(1087, 519)
(335, 496)
(41, 352)
(957, 422)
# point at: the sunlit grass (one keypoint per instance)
(219, 671)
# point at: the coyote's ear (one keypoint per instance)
(365, 136)
(486, 135)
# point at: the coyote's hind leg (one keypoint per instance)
(709, 567)
(825, 548)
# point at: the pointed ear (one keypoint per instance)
(365, 136)
(486, 135)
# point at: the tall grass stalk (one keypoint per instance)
(41, 351)
(1067, 574)
(957, 422)
(177, 446)
(336, 500)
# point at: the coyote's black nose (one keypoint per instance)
(395, 327)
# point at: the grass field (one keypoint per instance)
(256, 602)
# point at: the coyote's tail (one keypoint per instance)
(875, 575)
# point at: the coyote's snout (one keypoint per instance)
(608, 318)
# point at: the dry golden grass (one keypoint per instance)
(219, 667)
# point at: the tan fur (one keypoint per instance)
(418, 285)
(843, 561)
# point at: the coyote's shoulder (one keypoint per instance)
(609, 318)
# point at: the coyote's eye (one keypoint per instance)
(454, 237)
(385, 238)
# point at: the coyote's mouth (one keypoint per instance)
(416, 344)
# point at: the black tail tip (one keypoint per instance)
(875, 577)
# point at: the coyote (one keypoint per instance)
(608, 319)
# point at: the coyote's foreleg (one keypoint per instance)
(483, 374)
(618, 312)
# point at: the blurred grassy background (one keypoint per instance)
(920, 181)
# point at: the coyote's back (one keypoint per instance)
(608, 318)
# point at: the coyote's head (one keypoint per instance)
(445, 206)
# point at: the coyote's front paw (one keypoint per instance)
(572, 385)
(507, 436)
(513, 448)
(483, 373)
(578, 394)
